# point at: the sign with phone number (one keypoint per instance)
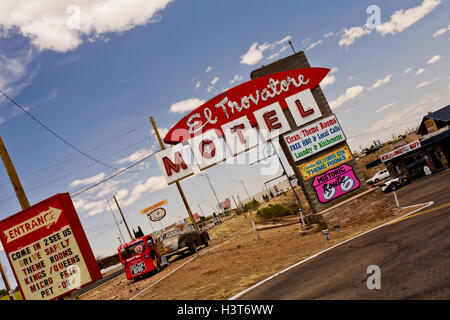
(325, 162)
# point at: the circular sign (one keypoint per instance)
(157, 214)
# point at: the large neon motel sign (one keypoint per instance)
(231, 116)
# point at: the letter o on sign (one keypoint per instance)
(207, 149)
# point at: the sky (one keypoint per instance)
(94, 71)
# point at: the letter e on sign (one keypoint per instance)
(303, 107)
(174, 164)
(271, 121)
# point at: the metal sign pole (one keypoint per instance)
(183, 197)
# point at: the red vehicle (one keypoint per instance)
(142, 256)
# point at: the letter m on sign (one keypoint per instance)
(173, 164)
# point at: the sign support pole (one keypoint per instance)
(290, 183)
(183, 197)
(21, 196)
(123, 218)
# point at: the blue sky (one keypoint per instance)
(96, 82)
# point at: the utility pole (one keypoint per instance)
(21, 196)
(214, 191)
(20, 193)
(201, 209)
(183, 197)
(123, 218)
(116, 221)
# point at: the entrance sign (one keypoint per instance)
(335, 183)
(48, 249)
(154, 206)
(157, 214)
(231, 116)
(314, 138)
(325, 162)
(399, 151)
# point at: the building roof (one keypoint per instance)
(441, 114)
(441, 118)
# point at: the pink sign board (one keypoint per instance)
(335, 183)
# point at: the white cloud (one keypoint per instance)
(237, 78)
(425, 83)
(150, 185)
(208, 69)
(254, 53)
(329, 79)
(312, 45)
(285, 39)
(186, 105)
(420, 71)
(135, 156)
(408, 70)
(329, 34)
(333, 70)
(440, 32)
(91, 207)
(434, 59)
(214, 81)
(400, 21)
(387, 106)
(306, 41)
(350, 93)
(352, 34)
(277, 54)
(197, 85)
(381, 82)
(90, 180)
(52, 24)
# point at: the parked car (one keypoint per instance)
(377, 177)
(182, 239)
(394, 184)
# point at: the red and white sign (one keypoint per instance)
(48, 250)
(399, 151)
(231, 116)
(157, 214)
(246, 98)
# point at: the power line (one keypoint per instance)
(71, 173)
(115, 174)
(77, 156)
(392, 127)
(54, 133)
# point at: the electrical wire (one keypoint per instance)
(73, 172)
(54, 133)
(114, 175)
(77, 156)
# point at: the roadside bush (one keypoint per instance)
(277, 210)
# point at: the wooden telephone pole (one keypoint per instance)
(163, 147)
(123, 218)
(21, 196)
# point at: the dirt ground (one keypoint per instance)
(235, 261)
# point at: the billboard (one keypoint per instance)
(325, 162)
(335, 183)
(48, 250)
(314, 138)
(399, 151)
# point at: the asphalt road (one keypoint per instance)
(413, 256)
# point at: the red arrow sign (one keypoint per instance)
(243, 100)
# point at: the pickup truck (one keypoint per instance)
(182, 239)
(377, 177)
